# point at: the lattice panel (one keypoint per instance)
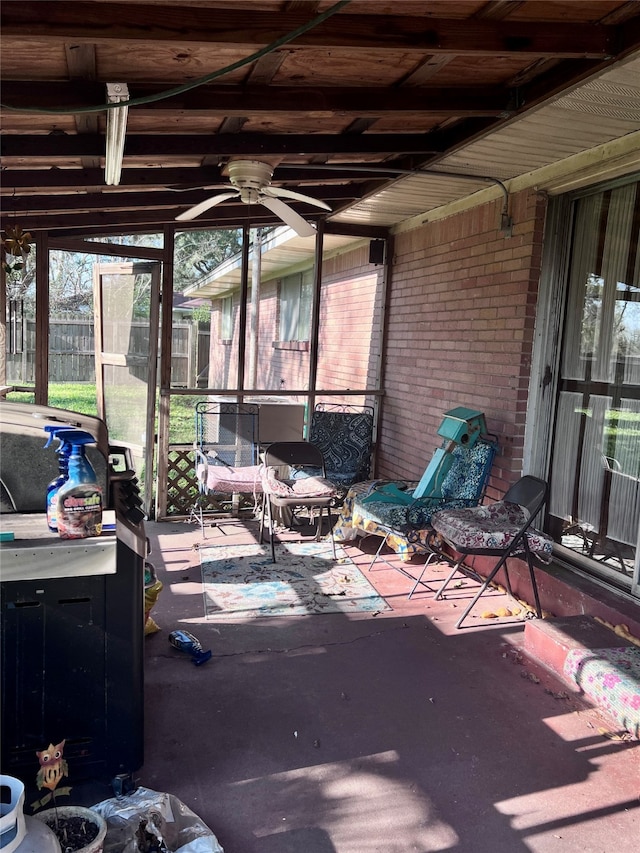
(183, 493)
(182, 488)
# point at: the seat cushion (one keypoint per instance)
(405, 518)
(489, 528)
(306, 487)
(611, 678)
(224, 480)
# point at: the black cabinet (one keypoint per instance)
(72, 657)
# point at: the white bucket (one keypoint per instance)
(12, 828)
(39, 838)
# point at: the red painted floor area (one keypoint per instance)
(388, 733)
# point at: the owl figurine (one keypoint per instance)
(52, 766)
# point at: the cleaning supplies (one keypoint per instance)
(79, 501)
(54, 485)
(63, 450)
(63, 434)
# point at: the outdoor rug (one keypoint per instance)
(240, 581)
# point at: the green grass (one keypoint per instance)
(82, 398)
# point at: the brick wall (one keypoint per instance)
(349, 322)
(347, 354)
(461, 317)
(460, 321)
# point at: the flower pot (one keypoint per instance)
(83, 815)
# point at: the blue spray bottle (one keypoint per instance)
(79, 502)
(63, 450)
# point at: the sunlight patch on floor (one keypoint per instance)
(362, 806)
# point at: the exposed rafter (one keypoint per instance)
(392, 86)
(260, 100)
(87, 22)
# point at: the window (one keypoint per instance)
(226, 319)
(295, 307)
(594, 505)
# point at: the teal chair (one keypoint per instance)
(397, 513)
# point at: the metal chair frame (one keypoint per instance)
(299, 455)
(529, 492)
(226, 437)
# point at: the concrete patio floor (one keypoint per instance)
(389, 733)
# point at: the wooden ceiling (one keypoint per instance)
(391, 85)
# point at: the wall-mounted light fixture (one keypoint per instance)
(116, 132)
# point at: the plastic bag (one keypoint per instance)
(159, 815)
(152, 589)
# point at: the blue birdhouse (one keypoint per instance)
(462, 426)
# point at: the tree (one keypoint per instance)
(71, 273)
(199, 252)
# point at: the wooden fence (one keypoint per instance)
(72, 359)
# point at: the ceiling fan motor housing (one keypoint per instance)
(249, 174)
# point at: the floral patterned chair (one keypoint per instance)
(344, 435)
(502, 529)
(390, 511)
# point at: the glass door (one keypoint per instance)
(594, 501)
(127, 305)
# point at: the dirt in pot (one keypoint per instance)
(73, 833)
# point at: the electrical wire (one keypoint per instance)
(193, 84)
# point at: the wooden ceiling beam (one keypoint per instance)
(92, 180)
(69, 240)
(87, 180)
(113, 200)
(81, 65)
(62, 146)
(105, 22)
(223, 216)
(265, 100)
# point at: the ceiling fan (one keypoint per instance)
(251, 181)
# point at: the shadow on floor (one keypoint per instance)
(362, 733)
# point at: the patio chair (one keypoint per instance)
(344, 435)
(226, 450)
(402, 517)
(502, 529)
(285, 493)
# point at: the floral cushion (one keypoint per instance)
(611, 678)
(351, 524)
(385, 505)
(490, 527)
(224, 480)
(345, 440)
(308, 487)
(405, 519)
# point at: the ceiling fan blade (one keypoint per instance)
(289, 216)
(280, 192)
(208, 203)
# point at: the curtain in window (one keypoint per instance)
(595, 473)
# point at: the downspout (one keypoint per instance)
(378, 402)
